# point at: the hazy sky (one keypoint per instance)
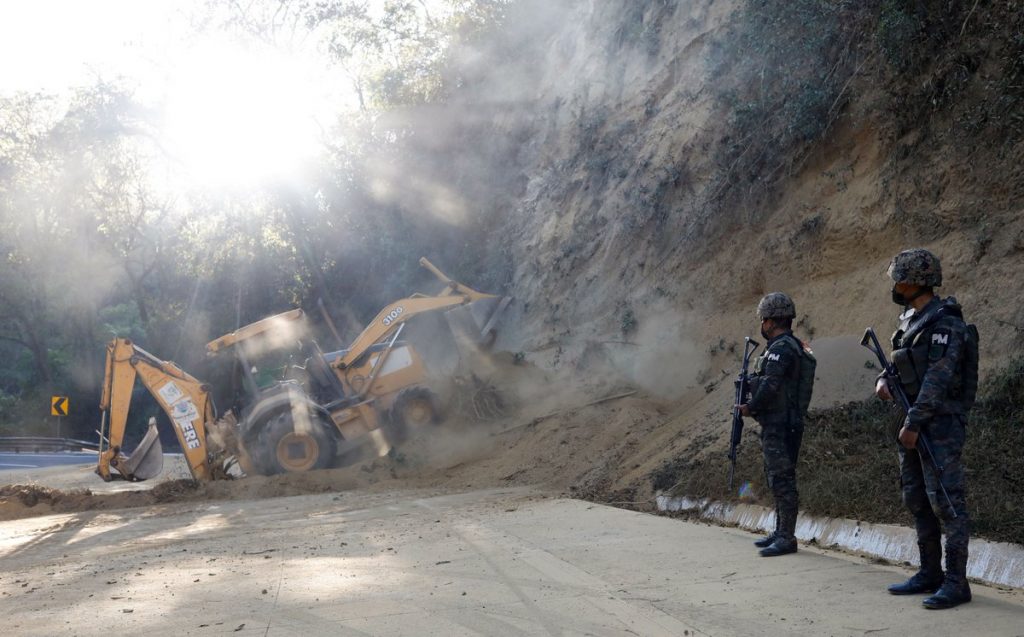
(227, 113)
(52, 44)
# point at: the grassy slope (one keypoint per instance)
(848, 465)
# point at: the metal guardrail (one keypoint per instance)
(36, 444)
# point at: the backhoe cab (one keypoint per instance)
(326, 411)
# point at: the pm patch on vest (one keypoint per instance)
(772, 356)
(939, 344)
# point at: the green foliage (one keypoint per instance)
(121, 319)
(899, 34)
(1003, 392)
(394, 52)
(995, 436)
(641, 27)
(783, 79)
(936, 52)
(7, 404)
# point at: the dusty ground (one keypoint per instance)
(390, 545)
(429, 562)
(447, 536)
(588, 451)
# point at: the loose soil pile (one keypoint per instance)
(19, 501)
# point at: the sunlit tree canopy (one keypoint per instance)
(170, 170)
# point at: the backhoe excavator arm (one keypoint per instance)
(184, 399)
(388, 319)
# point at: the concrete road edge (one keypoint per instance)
(998, 563)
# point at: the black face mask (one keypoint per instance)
(764, 334)
(899, 299)
(904, 301)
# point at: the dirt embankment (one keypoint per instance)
(678, 160)
(685, 158)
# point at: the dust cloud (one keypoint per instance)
(664, 360)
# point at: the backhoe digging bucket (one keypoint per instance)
(147, 461)
(473, 327)
(475, 324)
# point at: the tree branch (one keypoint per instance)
(13, 339)
(969, 14)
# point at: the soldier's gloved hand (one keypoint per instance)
(882, 389)
(908, 438)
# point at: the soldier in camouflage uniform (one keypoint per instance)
(773, 403)
(928, 352)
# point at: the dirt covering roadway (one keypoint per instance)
(389, 546)
(386, 561)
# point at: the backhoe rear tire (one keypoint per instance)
(285, 450)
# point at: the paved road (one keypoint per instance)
(492, 563)
(10, 461)
(78, 471)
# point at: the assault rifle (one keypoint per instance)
(892, 377)
(742, 383)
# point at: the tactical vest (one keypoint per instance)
(910, 357)
(797, 395)
(804, 387)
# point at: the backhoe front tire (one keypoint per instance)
(285, 450)
(414, 409)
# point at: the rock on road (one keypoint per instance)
(499, 562)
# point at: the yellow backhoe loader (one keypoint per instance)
(322, 413)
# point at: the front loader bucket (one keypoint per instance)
(147, 461)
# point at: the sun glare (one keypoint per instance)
(236, 117)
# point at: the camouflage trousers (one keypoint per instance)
(924, 498)
(780, 442)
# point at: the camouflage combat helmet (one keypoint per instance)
(916, 267)
(776, 305)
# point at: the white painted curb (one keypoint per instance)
(991, 562)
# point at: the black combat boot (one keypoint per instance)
(784, 542)
(929, 578)
(767, 541)
(781, 546)
(955, 590)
